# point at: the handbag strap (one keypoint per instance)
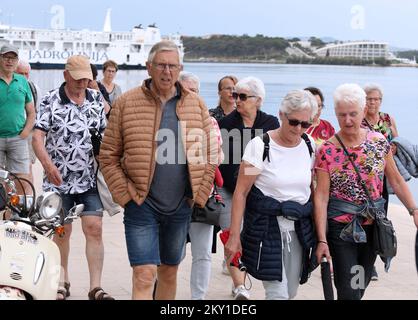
(360, 180)
(215, 189)
(369, 125)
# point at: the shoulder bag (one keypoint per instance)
(212, 211)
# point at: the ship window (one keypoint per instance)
(68, 46)
(45, 45)
(136, 48)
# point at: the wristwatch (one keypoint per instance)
(412, 210)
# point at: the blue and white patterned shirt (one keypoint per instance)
(68, 139)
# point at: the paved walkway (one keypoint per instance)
(400, 283)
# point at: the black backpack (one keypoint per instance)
(266, 140)
(96, 140)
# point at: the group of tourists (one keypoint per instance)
(289, 181)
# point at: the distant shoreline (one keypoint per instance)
(223, 60)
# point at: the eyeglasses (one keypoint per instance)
(295, 123)
(373, 99)
(10, 58)
(241, 96)
(163, 66)
(228, 89)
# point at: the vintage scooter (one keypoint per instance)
(30, 262)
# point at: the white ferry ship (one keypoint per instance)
(50, 48)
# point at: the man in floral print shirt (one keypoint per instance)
(62, 142)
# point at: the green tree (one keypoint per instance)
(235, 47)
(316, 42)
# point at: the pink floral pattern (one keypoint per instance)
(369, 157)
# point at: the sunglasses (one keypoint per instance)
(295, 123)
(241, 96)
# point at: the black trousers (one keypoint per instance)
(416, 251)
(352, 262)
(385, 195)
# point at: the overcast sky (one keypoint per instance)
(392, 21)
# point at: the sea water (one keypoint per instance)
(400, 87)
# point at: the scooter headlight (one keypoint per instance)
(49, 204)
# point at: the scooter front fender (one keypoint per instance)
(29, 261)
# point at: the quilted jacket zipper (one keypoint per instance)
(259, 255)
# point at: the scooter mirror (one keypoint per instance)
(4, 174)
(75, 212)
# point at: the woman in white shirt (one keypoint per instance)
(285, 176)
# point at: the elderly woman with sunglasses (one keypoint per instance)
(273, 196)
(238, 128)
(340, 199)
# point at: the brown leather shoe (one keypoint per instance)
(99, 294)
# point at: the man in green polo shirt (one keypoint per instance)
(17, 115)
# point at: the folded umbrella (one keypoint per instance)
(326, 279)
(416, 251)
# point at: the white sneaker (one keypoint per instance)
(225, 270)
(240, 293)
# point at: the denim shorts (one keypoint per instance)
(14, 155)
(154, 238)
(91, 200)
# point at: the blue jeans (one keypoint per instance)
(352, 262)
(91, 200)
(154, 238)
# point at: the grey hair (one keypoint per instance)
(164, 45)
(254, 85)
(369, 87)
(188, 76)
(299, 100)
(350, 93)
(24, 64)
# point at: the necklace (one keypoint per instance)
(351, 143)
(374, 121)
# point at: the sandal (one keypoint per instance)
(62, 293)
(99, 294)
(67, 287)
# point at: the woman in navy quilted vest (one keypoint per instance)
(272, 195)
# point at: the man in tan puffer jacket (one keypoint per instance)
(158, 158)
